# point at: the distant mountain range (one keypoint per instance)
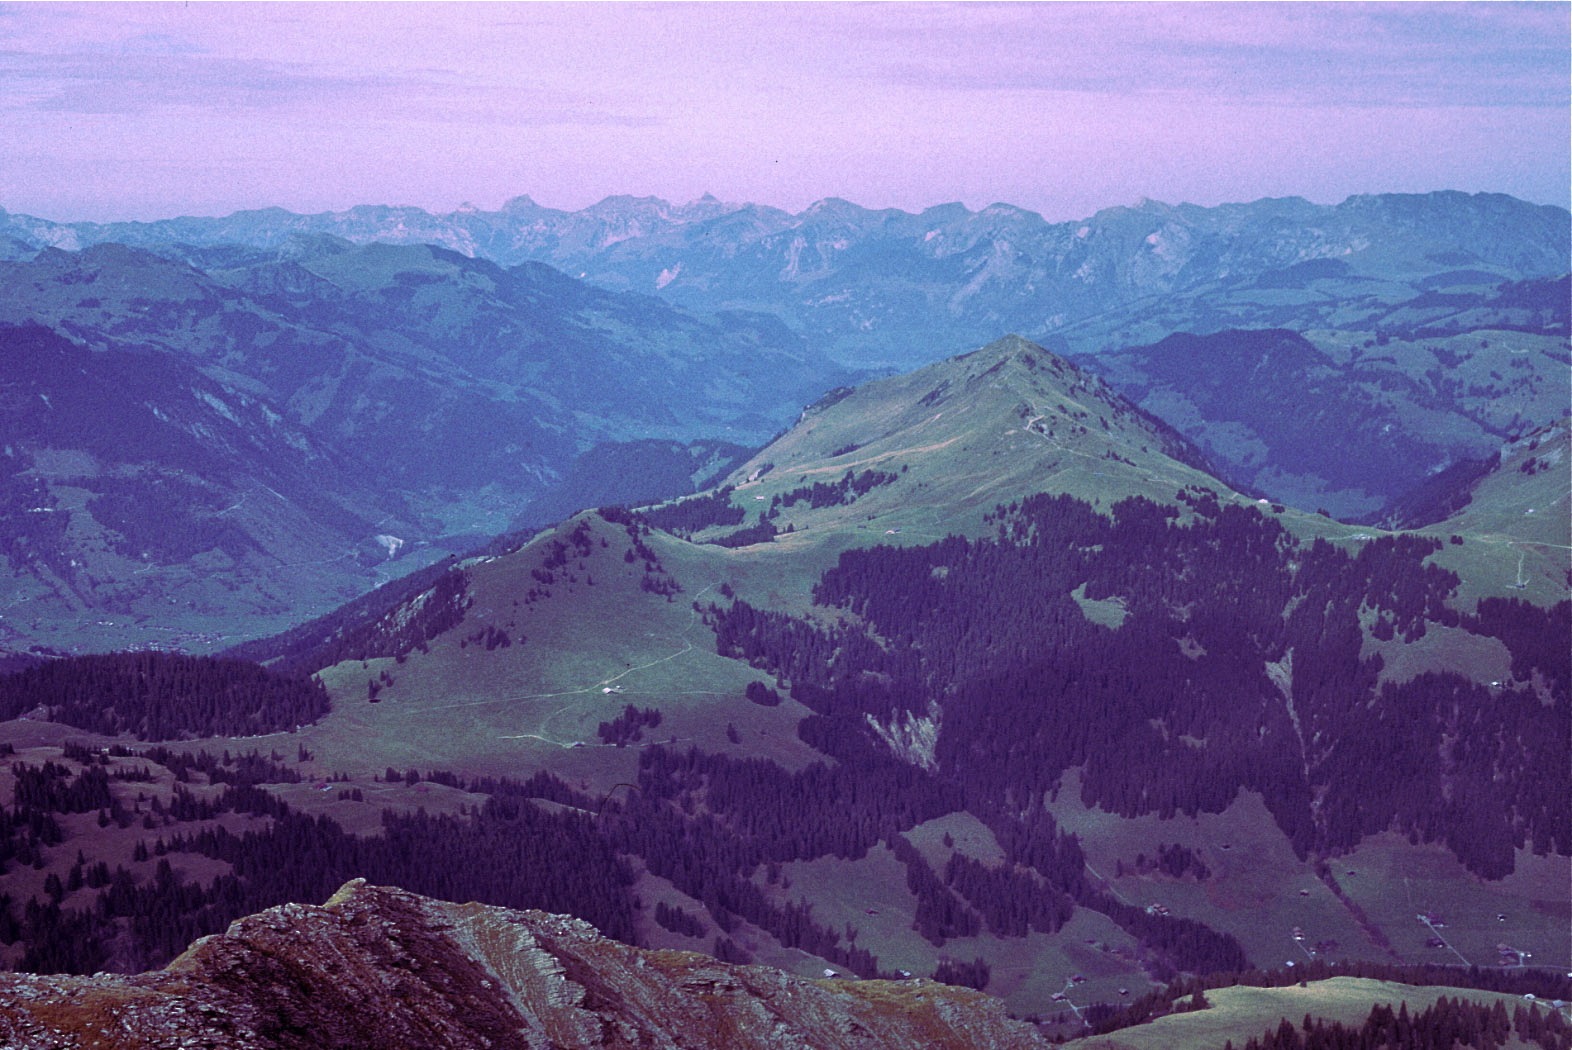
(890, 288)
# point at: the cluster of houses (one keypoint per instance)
(1506, 955)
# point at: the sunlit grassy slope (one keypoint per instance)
(1515, 529)
(581, 650)
(970, 433)
(1240, 1014)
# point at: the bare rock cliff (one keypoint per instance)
(378, 967)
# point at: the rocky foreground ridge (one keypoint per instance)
(379, 967)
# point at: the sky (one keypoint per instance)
(152, 110)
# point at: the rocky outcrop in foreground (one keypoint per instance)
(379, 967)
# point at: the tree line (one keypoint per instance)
(162, 696)
(1447, 1024)
(505, 851)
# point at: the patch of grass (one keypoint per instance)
(1253, 892)
(1480, 658)
(1240, 1014)
(869, 895)
(967, 835)
(1395, 881)
(1108, 612)
(1260, 892)
(653, 890)
(1026, 972)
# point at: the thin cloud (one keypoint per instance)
(132, 84)
(1312, 56)
(144, 59)
(141, 83)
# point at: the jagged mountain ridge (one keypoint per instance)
(891, 287)
(381, 967)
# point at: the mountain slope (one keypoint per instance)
(1493, 493)
(977, 688)
(979, 429)
(1514, 518)
(1207, 649)
(389, 349)
(377, 391)
(133, 482)
(909, 459)
(632, 473)
(1338, 423)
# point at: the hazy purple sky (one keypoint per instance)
(154, 110)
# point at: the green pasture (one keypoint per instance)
(870, 895)
(1240, 1014)
(1260, 892)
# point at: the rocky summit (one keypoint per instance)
(380, 967)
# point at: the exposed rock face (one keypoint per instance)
(383, 968)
